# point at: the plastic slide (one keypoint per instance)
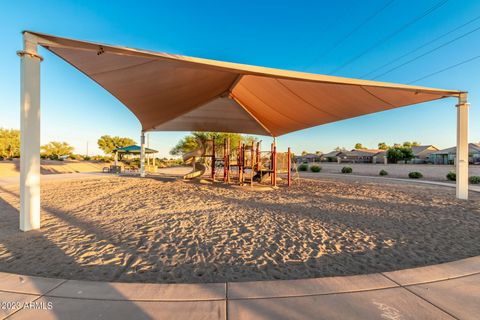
(198, 168)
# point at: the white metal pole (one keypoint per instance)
(29, 134)
(142, 155)
(461, 161)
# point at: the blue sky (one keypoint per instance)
(296, 35)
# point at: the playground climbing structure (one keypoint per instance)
(245, 164)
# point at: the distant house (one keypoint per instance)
(380, 157)
(447, 156)
(422, 153)
(363, 156)
(331, 156)
(308, 158)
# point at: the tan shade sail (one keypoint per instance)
(177, 93)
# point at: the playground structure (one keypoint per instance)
(190, 157)
(244, 164)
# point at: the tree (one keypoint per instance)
(396, 154)
(9, 143)
(318, 153)
(304, 153)
(248, 140)
(408, 154)
(340, 149)
(107, 143)
(190, 142)
(358, 146)
(54, 149)
(382, 146)
(411, 144)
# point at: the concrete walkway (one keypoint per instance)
(445, 291)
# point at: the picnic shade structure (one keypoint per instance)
(168, 92)
(133, 149)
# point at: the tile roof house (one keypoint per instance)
(363, 156)
(422, 153)
(447, 156)
(310, 157)
(331, 156)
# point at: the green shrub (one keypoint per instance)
(87, 158)
(303, 167)
(347, 170)
(383, 173)
(415, 175)
(315, 168)
(474, 179)
(452, 176)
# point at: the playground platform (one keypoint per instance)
(445, 291)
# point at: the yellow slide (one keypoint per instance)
(198, 168)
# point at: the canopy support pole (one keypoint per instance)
(29, 134)
(461, 160)
(225, 160)
(142, 154)
(213, 160)
(274, 162)
(289, 167)
(252, 163)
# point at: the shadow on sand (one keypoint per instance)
(404, 250)
(9, 214)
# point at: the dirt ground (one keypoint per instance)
(165, 230)
(10, 168)
(429, 171)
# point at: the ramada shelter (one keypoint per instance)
(169, 92)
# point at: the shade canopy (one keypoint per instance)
(169, 92)
(133, 149)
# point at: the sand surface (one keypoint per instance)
(164, 230)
